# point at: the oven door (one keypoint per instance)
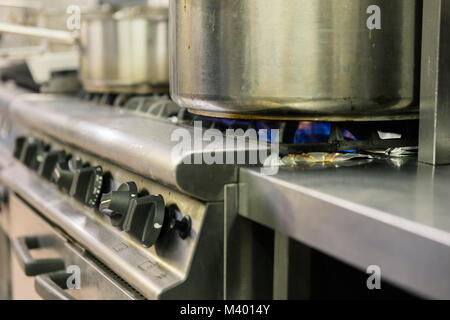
(47, 264)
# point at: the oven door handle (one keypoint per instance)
(51, 286)
(31, 266)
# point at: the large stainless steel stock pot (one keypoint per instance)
(295, 58)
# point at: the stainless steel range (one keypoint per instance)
(100, 200)
(104, 178)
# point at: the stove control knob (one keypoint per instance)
(64, 173)
(145, 219)
(48, 163)
(32, 153)
(116, 203)
(19, 145)
(87, 185)
(179, 223)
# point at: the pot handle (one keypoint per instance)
(56, 36)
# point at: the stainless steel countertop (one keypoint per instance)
(394, 214)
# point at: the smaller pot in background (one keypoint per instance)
(123, 51)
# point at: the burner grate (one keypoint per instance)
(345, 137)
(298, 137)
(295, 137)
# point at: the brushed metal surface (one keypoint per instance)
(434, 143)
(8, 92)
(307, 57)
(381, 213)
(248, 253)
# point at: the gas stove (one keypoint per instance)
(295, 137)
(103, 175)
(99, 170)
(321, 181)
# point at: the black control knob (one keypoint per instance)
(64, 173)
(32, 153)
(87, 185)
(18, 147)
(116, 203)
(148, 218)
(145, 219)
(48, 163)
(179, 223)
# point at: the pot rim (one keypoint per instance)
(129, 13)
